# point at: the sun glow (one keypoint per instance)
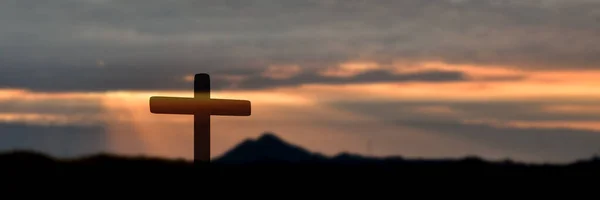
(128, 119)
(350, 69)
(304, 110)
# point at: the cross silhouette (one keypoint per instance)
(202, 107)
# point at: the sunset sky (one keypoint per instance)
(497, 79)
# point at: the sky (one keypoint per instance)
(497, 79)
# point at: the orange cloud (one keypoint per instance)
(25, 95)
(549, 124)
(564, 77)
(576, 109)
(535, 84)
(126, 113)
(46, 119)
(439, 110)
(279, 72)
(349, 69)
(473, 71)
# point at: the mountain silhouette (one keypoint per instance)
(268, 148)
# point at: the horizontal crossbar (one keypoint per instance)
(191, 106)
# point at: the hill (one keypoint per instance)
(272, 153)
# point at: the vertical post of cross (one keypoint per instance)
(202, 118)
(202, 106)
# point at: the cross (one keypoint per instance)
(202, 107)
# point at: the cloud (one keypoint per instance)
(282, 72)
(133, 78)
(519, 128)
(502, 110)
(40, 109)
(374, 76)
(61, 141)
(74, 106)
(56, 46)
(542, 144)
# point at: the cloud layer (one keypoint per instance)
(148, 44)
(554, 130)
(543, 130)
(61, 141)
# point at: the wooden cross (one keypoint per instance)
(202, 107)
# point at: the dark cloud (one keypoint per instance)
(62, 141)
(134, 78)
(153, 43)
(375, 76)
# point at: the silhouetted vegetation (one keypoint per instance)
(270, 152)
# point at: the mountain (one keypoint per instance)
(271, 149)
(268, 148)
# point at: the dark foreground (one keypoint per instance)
(18, 162)
(270, 156)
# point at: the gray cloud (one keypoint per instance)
(544, 145)
(74, 106)
(375, 76)
(68, 127)
(533, 110)
(61, 141)
(539, 144)
(73, 129)
(135, 78)
(148, 44)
